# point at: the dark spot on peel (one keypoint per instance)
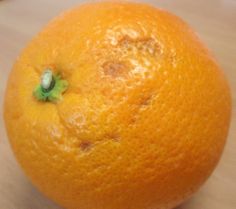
(114, 68)
(132, 120)
(143, 45)
(85, 145)
(146, 100)
(115, 138)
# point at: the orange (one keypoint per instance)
(132, 112)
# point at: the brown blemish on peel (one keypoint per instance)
(85, 145)
(143, 45)
(145, 100)
(114, 68)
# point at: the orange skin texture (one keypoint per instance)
(145, 117)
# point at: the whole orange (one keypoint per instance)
(132, 111)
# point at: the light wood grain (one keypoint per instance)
(215, 22)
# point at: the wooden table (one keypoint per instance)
(215, 22)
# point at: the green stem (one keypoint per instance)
(50, 88)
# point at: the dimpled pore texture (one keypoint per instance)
(143, 121)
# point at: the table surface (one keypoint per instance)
(215, 22)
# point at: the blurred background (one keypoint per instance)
(215, 23)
